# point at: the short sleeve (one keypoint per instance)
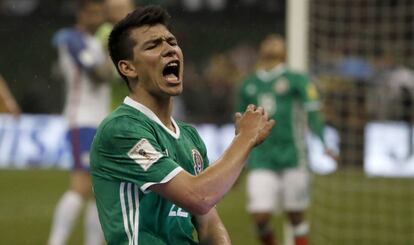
(308, 93)
(309, 96)
(128, 150)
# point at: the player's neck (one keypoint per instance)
(269, 65)
(162, 108)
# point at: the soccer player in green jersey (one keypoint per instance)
(115, 10)
(276, 173)
(149, 172)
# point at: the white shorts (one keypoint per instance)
(267, 190)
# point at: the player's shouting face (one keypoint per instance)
(157, 61)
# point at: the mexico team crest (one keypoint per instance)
(197, 161)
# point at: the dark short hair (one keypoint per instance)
(120, 44)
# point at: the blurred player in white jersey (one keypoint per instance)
(85, 68)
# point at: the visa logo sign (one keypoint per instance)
(34, 141)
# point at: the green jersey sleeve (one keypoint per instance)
(309, 97)
(128, 150)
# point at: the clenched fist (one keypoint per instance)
(254, 124)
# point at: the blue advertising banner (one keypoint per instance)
(39, 141)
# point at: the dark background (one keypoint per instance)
(27, 26)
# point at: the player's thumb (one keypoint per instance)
(237, 117)
(269, 125)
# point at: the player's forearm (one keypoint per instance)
(211, 230)
(13, 107)
(212, 184)
(8, 98)
(215, 235)
(218, 236)
(316, 124)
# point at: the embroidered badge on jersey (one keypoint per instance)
(198, 161)
(312, 92)
(144, 154)
(268, 102)
(281, 86)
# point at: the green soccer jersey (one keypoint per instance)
(285, 95)
(131, 151)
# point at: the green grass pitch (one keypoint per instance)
(347, 208)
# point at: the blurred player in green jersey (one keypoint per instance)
(115, 10)
(277, 176)
(149, 172)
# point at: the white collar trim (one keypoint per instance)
(272, 73)
(140, 107)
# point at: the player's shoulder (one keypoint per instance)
(296, 75)
(188, 129)
(297, 78)
(249, 80)
(186, 126)
(65, 36)
(123, 118)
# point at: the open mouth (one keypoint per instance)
(171, 71)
